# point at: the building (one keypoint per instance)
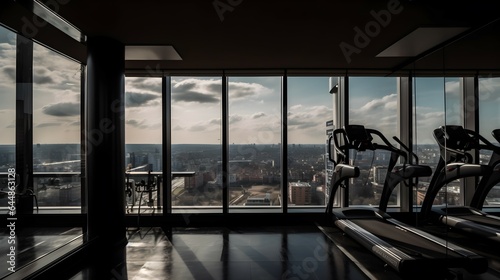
(300, 193)
(96, 74)
(259, 201)
(329, 165)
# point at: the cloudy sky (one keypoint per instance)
(254, 105)
(7, 87)
(254, 110)
(56, 94)
(56, 98)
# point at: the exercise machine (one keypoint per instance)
(486, 184)
(411, 252)
(456, 143)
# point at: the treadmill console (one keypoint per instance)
(457, 137)
(358, 137)
(496, 134)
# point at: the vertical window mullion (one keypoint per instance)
(24, 113)
(284, 142)
(83, 142)
(344, 97)
(225, 145)
(167, 144)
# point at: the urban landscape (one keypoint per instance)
(254, 175)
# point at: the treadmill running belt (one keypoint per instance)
(408, 242)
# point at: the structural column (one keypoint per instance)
(105, 148)
(24, 114)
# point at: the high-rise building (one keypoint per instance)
(299, 193)
(329, 165)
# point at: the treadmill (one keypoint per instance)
(409, 251)
(486, 184)
(455, 143)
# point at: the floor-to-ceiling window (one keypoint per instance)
(7, 107)
(143, 144)
(196, 139)
(373, 102)
(310, 116)
(56, 128)
(437, 102)
(254, 141)
(489, 120)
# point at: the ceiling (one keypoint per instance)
(259, 34)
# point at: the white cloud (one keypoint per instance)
(241, 90)
(307, 124)
(379, 114)
(143, 85)
(234, 119)
(452, 87)
(48, 124)
(387, 102)
(489, 89)
(258, 115)
(196, 90)
(136, 99)
(208, 125)
(63, 109)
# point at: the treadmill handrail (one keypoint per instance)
(361, 138)
(406, 149)
(388, 146)
(342, 172)
(330, 154)
(475, 140)
(342, 149)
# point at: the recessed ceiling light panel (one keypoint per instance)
(151, 53)
(421, 40)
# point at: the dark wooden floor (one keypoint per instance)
(233, 253)
(33, 244)
(270, 252)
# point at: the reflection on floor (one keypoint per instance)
(33, 243)
(233, 253)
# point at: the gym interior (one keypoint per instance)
(234, 139)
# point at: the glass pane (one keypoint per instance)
(254, 141)
(489, 120)
(56, 128)
(430, 103)
(143, 144)
(489, 102)
(196, 142)
(373, 102)
(309, 111)
(7, 107)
